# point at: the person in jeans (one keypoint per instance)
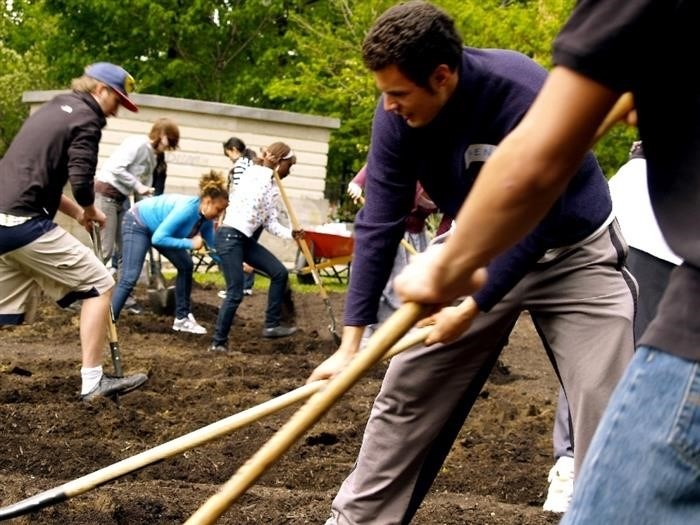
(459, 103)
(242, 158)
(59, 144)
(174, 225)
(253, 204)
(129, 170)
(643, 463)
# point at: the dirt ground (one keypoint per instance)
(495, 474)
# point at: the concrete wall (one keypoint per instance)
(204, 126)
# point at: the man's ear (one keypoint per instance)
(441, 75)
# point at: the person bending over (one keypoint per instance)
(174, 225)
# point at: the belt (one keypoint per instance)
(8, 220)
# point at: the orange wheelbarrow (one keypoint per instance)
(332, 255)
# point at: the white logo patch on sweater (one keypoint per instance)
(67, 108)
(477, 153)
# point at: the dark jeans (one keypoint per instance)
(136, 239)
(249, 278)
(234, 248)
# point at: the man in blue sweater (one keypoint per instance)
(568, 272)
(642, 465)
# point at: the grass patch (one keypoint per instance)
(215, 279)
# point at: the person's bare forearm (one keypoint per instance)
(70, 208)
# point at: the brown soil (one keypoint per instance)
(495, 474)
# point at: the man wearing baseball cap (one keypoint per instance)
(116, 78)
(58, 144)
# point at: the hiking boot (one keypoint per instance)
(217, 348)
(278, 331)
(188, 324)
(110, 386)
(561, 485)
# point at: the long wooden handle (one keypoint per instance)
(303, 245)
(618, 112)
(183, 443)
(111, 324)
(153, 455)
(383, 339)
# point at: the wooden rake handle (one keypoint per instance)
(382, 340)
(304, 246)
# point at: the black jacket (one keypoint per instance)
(57, 143)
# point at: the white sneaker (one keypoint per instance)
(188, 324)
(561, 485)
(221, 294)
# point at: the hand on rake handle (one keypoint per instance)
(298, 235)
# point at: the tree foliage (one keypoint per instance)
(297, 55)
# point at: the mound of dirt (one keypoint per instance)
(495, 474)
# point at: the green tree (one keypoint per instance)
(22, 63)
(297, 55)
(202, 49)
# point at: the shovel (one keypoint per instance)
(309, 259)
(160, 297)
(111, 326)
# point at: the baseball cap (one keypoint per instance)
(116, 78)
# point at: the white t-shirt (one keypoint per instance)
(254, 204)
(632, 207)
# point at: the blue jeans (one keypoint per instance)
(136, 240)
(643, 465)
(234, 248)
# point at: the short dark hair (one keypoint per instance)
(414, 36)
(234, 143)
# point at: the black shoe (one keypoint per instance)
(279, 331)
(111, 386)
(217, 348)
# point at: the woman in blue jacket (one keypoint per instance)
(174, 225)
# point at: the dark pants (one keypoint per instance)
(652, 275)
(234, 248)
(249, 278)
